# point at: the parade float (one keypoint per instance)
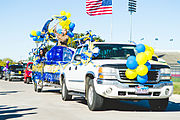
(46, 69)
(100, 70)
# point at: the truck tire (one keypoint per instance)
(35, 86)
(94, 101)
(64, 93)
(28, 80)
(1, 76)
(159, 104)
(36, 89)
(25, 80)
(9, 78)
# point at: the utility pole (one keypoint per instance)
(132, 9)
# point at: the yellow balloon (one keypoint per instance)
(142, 70)
(131, 74)
(68, 15)
(50, 30)
(148, 54)
(141, 58)
(63, 13)
(68, 22)
(66, 27)
(37, 41)
(33, 32)
(62, 23)
(152, 50)
(147, 47)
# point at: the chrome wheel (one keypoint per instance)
(63, 90)
(90, 95)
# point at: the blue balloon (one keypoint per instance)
(35, 38)
(38, 33)
(140, 48)
(131, 57)
(142, 79)
(71, 26)
(31, 36)
(148, 65)
(70, 34)
(131, 62)
(40, 39)
(59, 31)
(64, 18)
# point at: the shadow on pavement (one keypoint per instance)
(51, 91)
(140, 106)
(8, 92)
(11, 112)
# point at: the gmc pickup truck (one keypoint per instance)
(104, 78)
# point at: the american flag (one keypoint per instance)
(98, 7)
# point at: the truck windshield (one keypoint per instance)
(16, 68)
(115, 51)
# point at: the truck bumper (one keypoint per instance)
(115, 89)
(16, 77)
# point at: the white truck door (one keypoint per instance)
(73, 81)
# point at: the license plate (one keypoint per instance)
(19, 72)
(142, 90)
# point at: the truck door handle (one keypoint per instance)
(76, 68)
(69, 68)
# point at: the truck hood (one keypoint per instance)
(105, 61)
(122, 63)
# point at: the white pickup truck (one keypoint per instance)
(104, 78)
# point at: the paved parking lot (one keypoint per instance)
(18, 101)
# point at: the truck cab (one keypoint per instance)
(104, 78)
(15, 72)
(28, 73)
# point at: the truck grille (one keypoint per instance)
(153, 76)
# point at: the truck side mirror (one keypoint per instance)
(77, 57)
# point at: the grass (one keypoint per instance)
(175, 79)
(176, 87)
(176, 83)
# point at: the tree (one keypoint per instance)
(72, 43)
(3, 61)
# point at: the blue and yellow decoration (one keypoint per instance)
(138, 66)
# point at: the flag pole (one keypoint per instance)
(111, 28)
(111, 23)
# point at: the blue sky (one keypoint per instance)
(153, 19)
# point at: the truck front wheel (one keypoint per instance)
(64, 94)
(158, 105)
(94, 101)
(28, 80)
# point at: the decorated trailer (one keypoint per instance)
(47, 72)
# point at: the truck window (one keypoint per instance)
(78, 51)
(30, 66)
(85, 48)
(67, 55)
(115, 51)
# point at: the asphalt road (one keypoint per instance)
(18, 101)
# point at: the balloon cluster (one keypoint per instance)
(36, 35)
(87, 55)
(66, 23)
(138, 66)
(87, 37)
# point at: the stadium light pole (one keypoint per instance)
(132, 9)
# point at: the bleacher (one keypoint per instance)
(171, 57)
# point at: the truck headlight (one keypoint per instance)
(107, 73)
(165, 74)
(12, 73)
